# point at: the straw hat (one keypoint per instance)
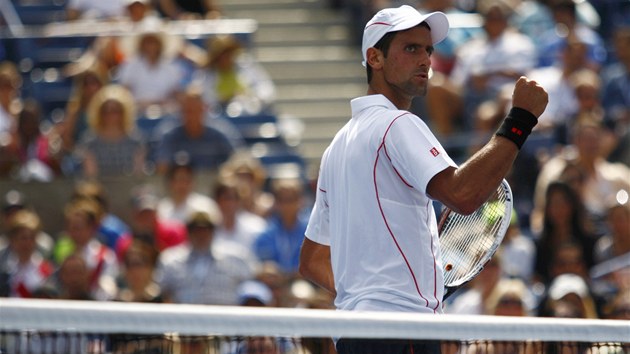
(221, 44)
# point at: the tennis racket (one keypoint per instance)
(468, 242)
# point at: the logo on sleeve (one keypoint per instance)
(434, 152)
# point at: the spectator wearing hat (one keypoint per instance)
(250, 176)
(198, 272)
(13, 202)
(232, 81)
(569, 296)
(23, 269)
(111, 146)
(152, 74)
(254, 293)
(149, 228)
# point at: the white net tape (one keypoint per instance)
(141, 318)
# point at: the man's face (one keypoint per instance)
(406, 67)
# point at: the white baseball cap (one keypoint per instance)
(398, 19)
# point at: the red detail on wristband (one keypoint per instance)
(517, 131)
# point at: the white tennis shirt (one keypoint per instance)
(373, 211)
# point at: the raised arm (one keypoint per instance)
(465, 188)
(315, 264)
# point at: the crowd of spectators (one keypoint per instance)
(566, 253)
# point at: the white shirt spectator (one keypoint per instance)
(151, 84)
(98, 9)
(511, 51)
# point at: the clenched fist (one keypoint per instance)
(530, 96)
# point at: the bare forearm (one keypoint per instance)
(479, 177)
(315, 265)
(465, 188)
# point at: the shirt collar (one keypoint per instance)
(360, 103)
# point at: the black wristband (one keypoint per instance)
(517, 126)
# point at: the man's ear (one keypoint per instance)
(374, 58)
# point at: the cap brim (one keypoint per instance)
(436, 20)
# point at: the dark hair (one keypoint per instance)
(383, 45)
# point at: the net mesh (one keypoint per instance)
(54, 326)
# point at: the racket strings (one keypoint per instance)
(468, 240)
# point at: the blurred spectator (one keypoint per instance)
(556, 81)
(152, 74)
(84, 87)
(32, 154)
(82, 218)
(206, 142)
(139, 11)
(616, 95)
(251, 177)
(12, 203)
(111, 147)
(616, 242)
(104, 55)
(568, 258)
(94, 9)
(137, 283)
(498, 57)
(282, 239)
(619, 307)
(182, 201)
(149, 228)
(564, 221)
(111, 228)
(238, 225)
(533, 18)
(254, 293)
(189, 9)
(602, 179)
(518, 253)
(270, 274)
(196, 272)
(550, 43)
(73, 279)
(471, 300)
(586, 86)
(509, 298)
(10, 84)
(233, 82)
(23, 269)
(569, 296)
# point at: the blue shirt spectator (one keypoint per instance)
(282, 239)
(206, 143)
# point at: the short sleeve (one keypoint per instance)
(318, 229)
(415, 152)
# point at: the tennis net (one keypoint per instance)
(57, 326)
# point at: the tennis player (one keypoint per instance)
(372, 236)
